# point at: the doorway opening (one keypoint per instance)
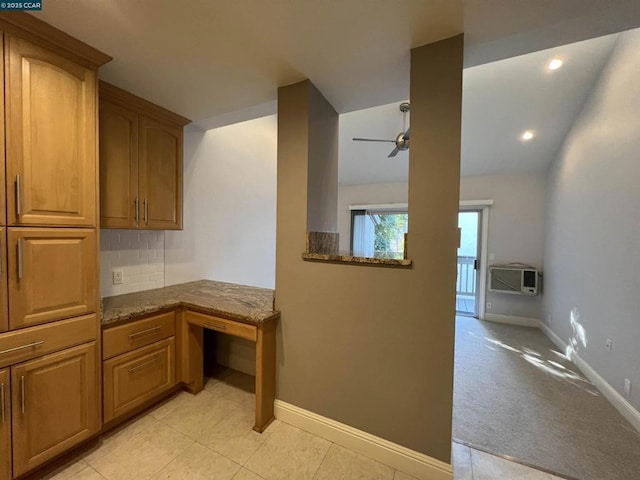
(468, 280)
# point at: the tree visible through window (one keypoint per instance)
(378, 233)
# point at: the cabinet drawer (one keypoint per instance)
(52, 274)
(123, 339)
(29, 343)
(223, 325)
(135, 377)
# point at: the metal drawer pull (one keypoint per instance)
(142, 365)
(2, 400)
(135, 203)
(28, 345)
(216, 325)
(22, 389)
(19, 259)
(148, 330)
(146, 212)
(18, 197)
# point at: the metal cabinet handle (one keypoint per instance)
(15, 349)
(136, 213)
(19, 259)
(146, 212)
(142, 365)
(18, 197)
(216, 325)
(2, 400)
(148, 330)
(22, 391)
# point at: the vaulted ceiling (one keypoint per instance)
(206, 58)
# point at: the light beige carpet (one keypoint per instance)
(515, 394)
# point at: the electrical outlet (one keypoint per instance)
(117, 277)
(608, 344)
(489, 305)
(627, 386)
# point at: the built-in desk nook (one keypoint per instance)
(153, 342)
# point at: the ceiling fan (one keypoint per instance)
(402, 139)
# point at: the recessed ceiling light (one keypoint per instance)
(528, 135)
(555, 64)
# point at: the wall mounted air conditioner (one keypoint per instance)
(514, 280)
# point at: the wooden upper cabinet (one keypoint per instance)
(5, 424)
(140, 162)
(55, 405)
(52, 274)
(160, 175)
(119, 206)
(3, 197)
(50, 137)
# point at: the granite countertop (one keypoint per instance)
(237, 302)
(350, 257)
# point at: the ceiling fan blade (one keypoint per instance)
(372, 140)
(406, 134)
(393, 153)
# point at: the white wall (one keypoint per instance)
(592, 253)
(516, 223)
(516, 230)
(138, 254)
(229, 206)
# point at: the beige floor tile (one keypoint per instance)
(114, 439)
(198, 415)
(166, 407)
(236, 387)
(234, 437)
(402, 476)
(87, 474)
(289, 453)
(245, 474)
(461, 461)
(343, 464)
(68, 470)
(199, 463)
(143, 455)
(490, 467)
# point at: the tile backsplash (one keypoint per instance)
(138, 254)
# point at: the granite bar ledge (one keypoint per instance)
(357, 260)
(243, 303)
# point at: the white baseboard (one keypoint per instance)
(401, 458)
(512, 320)
(618, 401)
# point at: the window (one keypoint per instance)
(378, 233)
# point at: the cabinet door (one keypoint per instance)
(135, 377)
(160, 163)
(50, 137)
(4, 314)
(119, 207)
(3, 206)
(55, 405)
(52, 274)
(5, 424)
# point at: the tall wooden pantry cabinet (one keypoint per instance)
(49, 293)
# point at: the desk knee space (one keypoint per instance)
(190, 355)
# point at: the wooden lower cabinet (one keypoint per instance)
(135, 377)
(5, 425)
(53, 405)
